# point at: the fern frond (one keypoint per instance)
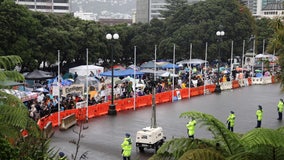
(204, 154)
(228, 140)
(263, 136)
(9, 62)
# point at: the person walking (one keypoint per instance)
(259, 114)
(280, 109)
(231, 121)
(191, 128)
(126, 147)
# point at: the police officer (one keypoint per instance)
(126, 147)
(191, 128)
(231, 121)
(62, 156)
(280, 109)
(259, 114)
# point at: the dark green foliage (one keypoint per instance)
(260, 144)
(7, 151)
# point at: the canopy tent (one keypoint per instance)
(168, 74)
(23, 95)
(116, 73)
(121, 73)
(152, 71)
(170, 66)
(84, 70)
(130, 72)
(192, 61)
(38, 75)
(270, 57)
(151, 64)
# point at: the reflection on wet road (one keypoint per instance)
(104, 135)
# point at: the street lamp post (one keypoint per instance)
(219, 34)
(112, 110)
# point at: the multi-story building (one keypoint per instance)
(149, 9)
(264, 8)
(48, 6)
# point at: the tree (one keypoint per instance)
(258, 143)
(172, 7)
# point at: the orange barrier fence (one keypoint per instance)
(235, 84)
(92, 111)
(164, 97)
(194, 92)
(211, 88)
(143, 101)
(103, 108)
(128, 103)
(250, 81)
(184, 93)
(119, 105)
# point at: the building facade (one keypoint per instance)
(149, 9)
(47, 6)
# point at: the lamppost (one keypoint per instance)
(219, 34)
(112, 110)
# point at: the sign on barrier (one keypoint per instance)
(178, 95)
(81, 104)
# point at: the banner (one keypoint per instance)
(55, 90)
(73, 89)
(82, 104)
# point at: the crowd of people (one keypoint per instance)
(46, 103)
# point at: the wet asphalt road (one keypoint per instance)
(104, 135)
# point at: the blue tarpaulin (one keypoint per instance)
(121, 73)
(170, 66)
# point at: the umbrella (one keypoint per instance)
(42, 90)
(168, 74)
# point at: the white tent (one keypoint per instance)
(168, 74)
(84, 70)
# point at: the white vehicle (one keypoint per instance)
(150, 138)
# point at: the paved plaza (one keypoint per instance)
(104, 135)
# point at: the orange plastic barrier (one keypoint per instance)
(235, 84)
(184, 93)
(211, 88)
(273, 79)
(42, 122)
(92, 111)
(166, 96)
(128, 103)
(194, 92)
(81, 114)
(250, 81)
(200, 90)
(119, 104)
(103, 108)
(143, 101)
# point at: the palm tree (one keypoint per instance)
(257, 144)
